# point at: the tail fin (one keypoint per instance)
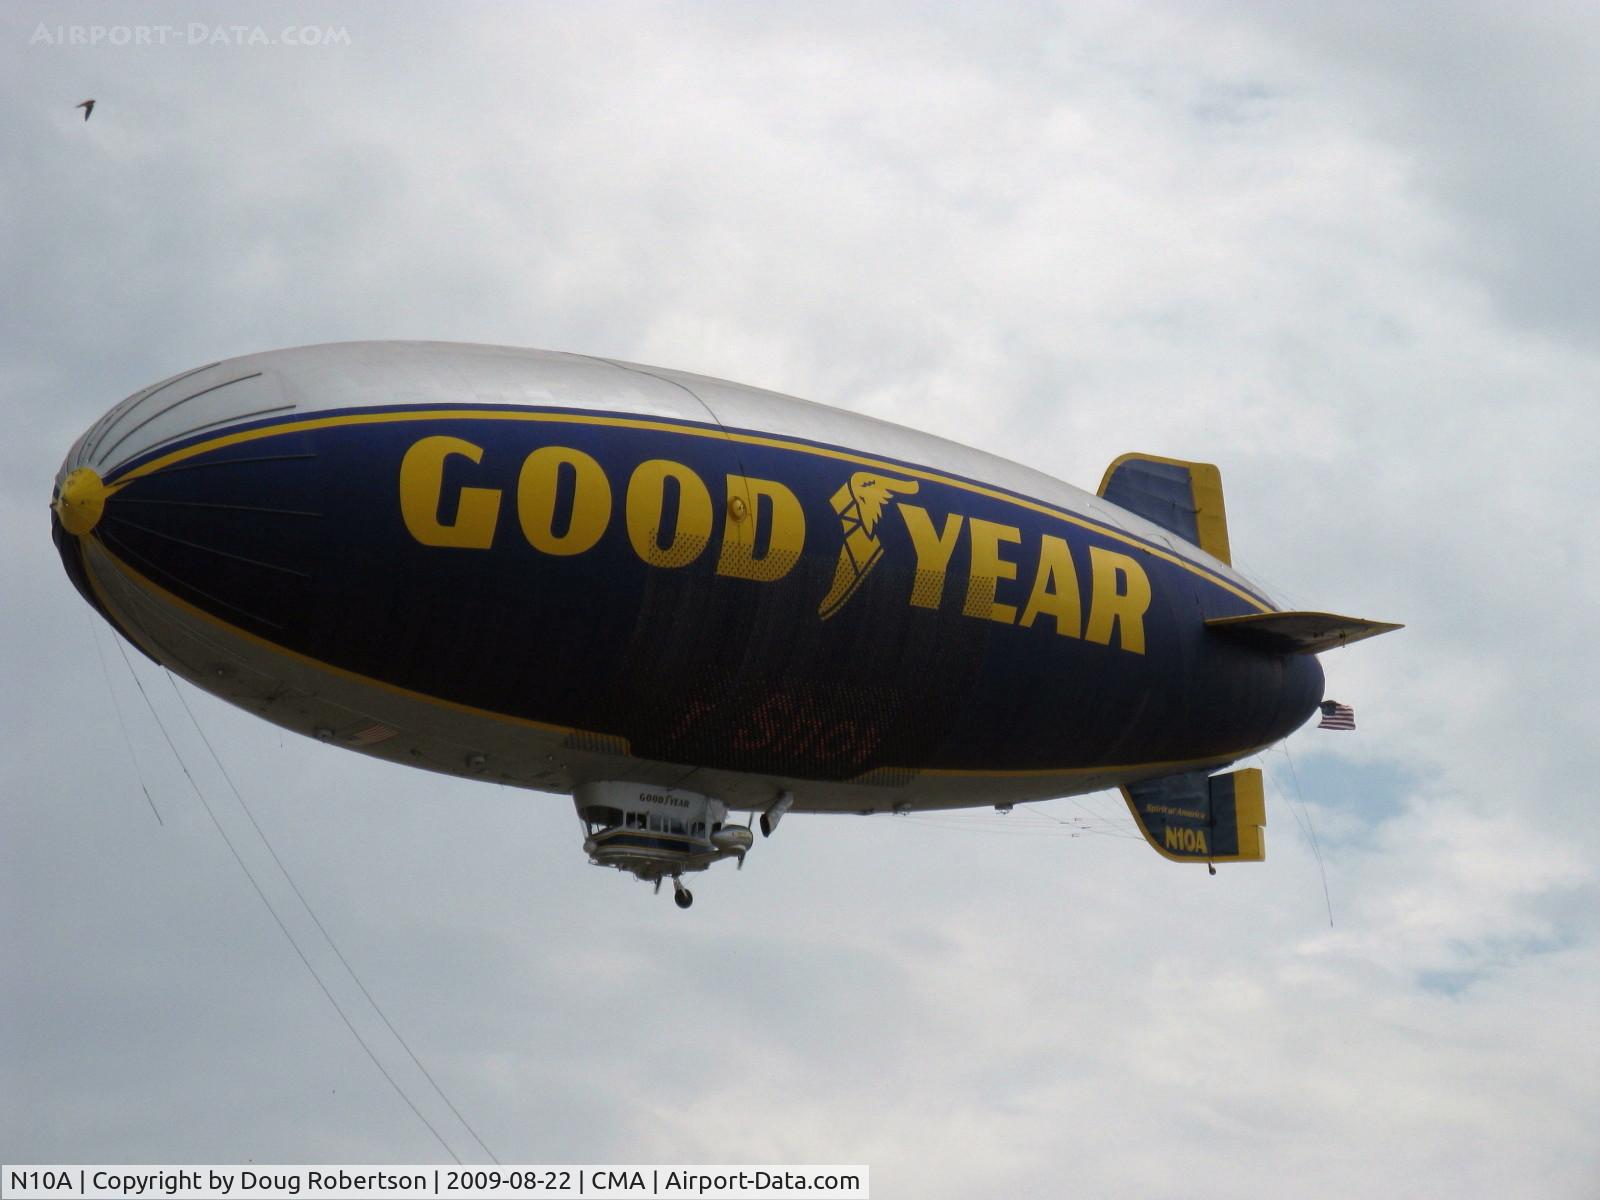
(1184, 498)
(1298, 632)
(1195, 817)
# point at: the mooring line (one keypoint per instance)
(254, 883)
(317, 921)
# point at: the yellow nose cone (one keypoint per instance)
(81, 501)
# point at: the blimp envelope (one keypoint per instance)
(567, 573)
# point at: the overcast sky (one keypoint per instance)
(1346, 252)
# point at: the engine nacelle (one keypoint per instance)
(733, 839)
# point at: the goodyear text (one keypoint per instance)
(564, 502)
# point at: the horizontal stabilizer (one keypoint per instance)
(1195, 817)
(1298, 632)
(1181, 497)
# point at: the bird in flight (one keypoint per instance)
(87, 106)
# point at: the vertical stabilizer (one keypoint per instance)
(1195, 817)
(1184, 498)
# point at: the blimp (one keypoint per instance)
(677, 599)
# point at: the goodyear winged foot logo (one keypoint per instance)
(860, 504)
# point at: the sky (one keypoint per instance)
(1345, 252)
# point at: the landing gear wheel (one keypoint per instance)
(681, 896)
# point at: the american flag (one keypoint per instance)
(1337, 716)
